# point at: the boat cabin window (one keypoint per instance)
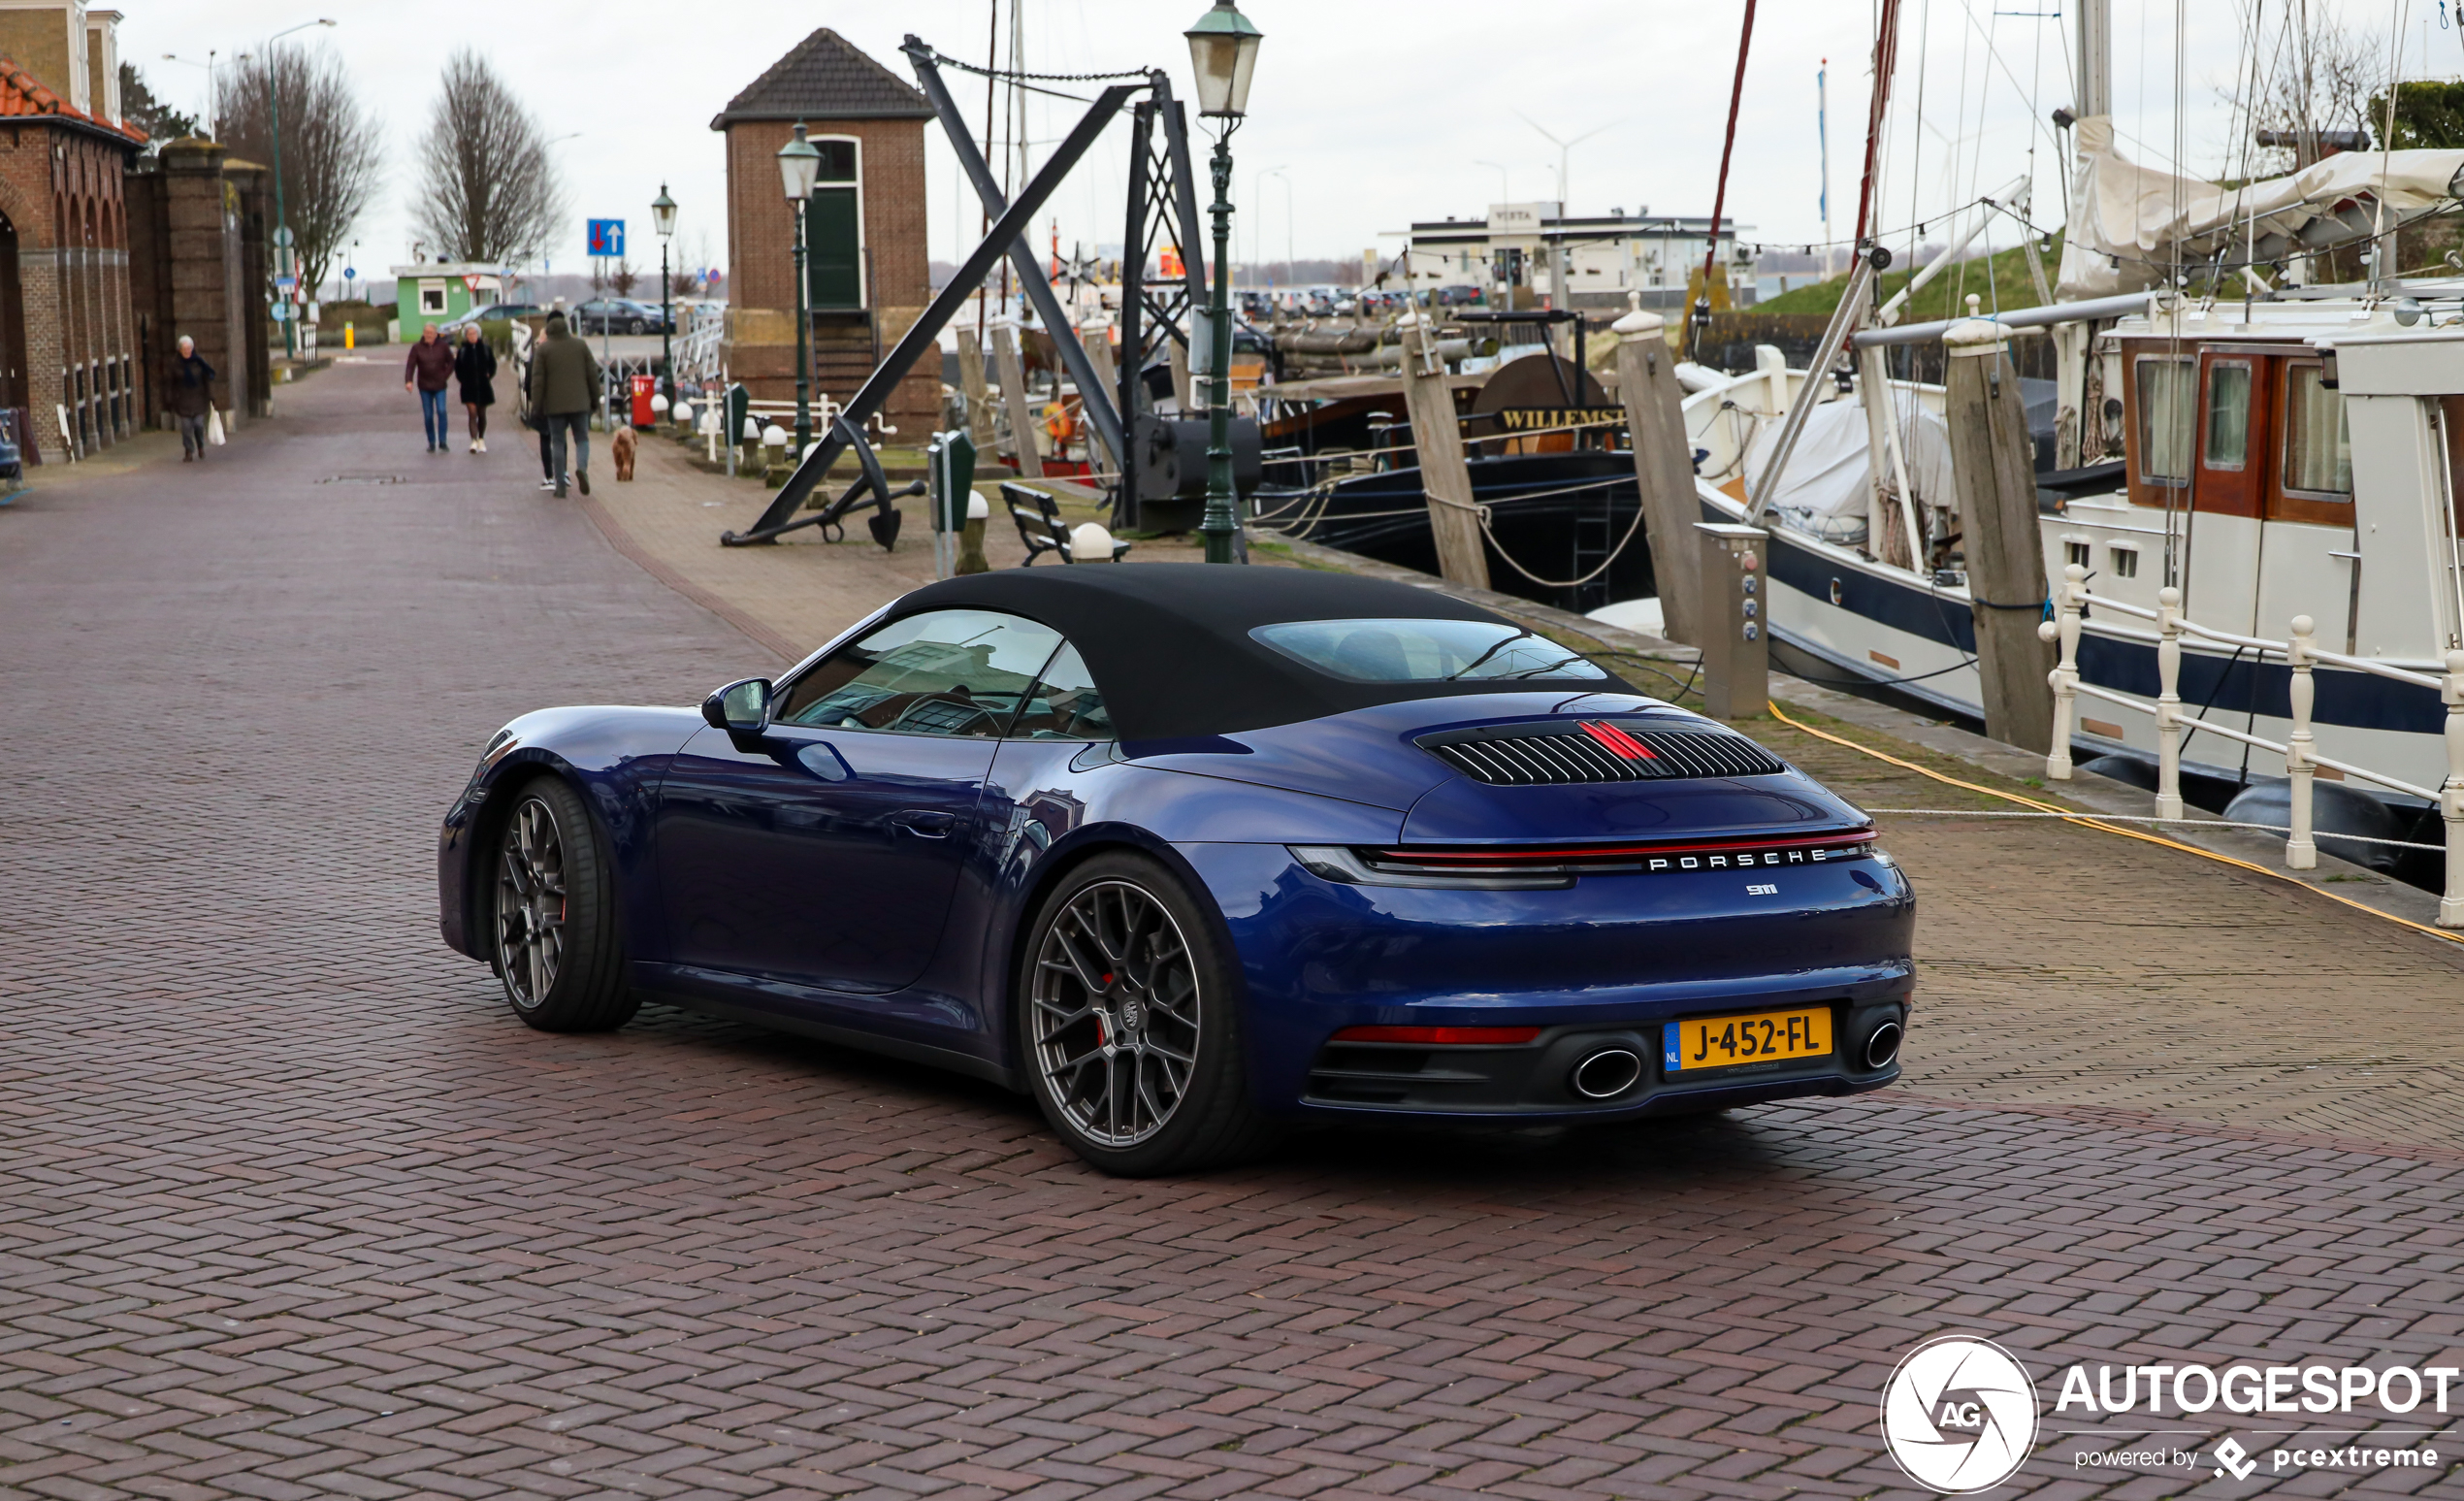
(2126, 562)
(2165, 426)
(2318, 444)
(2229, 415)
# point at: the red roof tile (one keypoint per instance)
(22, 94)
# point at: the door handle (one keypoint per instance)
(925, 821)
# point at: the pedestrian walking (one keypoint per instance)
(474, 368)
(191, 399)
(426, 371)
(564, 391)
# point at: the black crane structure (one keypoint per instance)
(1163, 207)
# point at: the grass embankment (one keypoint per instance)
(2006, 285)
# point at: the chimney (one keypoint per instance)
(102, 65)
(48, 41)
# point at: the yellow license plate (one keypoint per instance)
(1726, 1041)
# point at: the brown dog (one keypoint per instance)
(622, 446)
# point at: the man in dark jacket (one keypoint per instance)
(428, 370)
(191, 399)
(565, 391)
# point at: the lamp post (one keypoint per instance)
(210, 54)
(662, 216)
(800, 164)
(1223, 54)
(285, 260)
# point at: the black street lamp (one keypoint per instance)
(285, 260)
(662, 216)
(800, 164)
(1223, 52)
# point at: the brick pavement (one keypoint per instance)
(289, 1208)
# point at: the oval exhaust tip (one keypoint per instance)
(1606, 1073)
(1883, 1045)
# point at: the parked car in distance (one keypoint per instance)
(618, 316)
(493, 313)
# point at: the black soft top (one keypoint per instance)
(1169, 642)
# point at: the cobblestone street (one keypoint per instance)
(291, 1207)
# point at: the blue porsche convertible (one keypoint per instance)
(1194, 854)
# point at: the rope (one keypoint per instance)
(1634, 528)
(2194, 823)
(2111, 826)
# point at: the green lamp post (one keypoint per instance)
(800, 165)
(662, 216)
(1222, 53)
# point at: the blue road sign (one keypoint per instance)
(607, 237)
(350, 274)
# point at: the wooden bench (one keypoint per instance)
(1040, 525)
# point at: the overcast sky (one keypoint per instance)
(1380, 113)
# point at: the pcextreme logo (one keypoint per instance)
(1959, 1415)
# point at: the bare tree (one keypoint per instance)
(332, 154)
(2310, 94)
(624, 275)
(486, 191)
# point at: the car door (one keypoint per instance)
(823, 851)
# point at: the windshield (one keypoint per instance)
(1425, 651)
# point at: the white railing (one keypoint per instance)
(696, 346)
(2302, 759)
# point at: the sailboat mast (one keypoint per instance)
(2096, 57)
(1885, 62)
(1700, 318)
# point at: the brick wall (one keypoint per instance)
(761, 262)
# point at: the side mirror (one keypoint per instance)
(740, 707)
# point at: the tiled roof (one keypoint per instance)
(825, 77)
(22, 94)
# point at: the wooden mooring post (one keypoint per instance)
(1454, 523)
(1993, 464)
(1663, 468)
(1005, 353)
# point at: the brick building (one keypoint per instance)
(867, 271)
(68, 337)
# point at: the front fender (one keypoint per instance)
(614, 757)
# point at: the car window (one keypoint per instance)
(952, 671)
(1425, 651)
(1064, 703)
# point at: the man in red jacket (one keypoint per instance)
(426, 372)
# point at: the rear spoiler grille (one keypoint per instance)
(1596, 750)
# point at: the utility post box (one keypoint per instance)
(642, 389)
(1736, 628)
(949, 472)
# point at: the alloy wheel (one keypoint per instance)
(531, 906)
(1114, 1013)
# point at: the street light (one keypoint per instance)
(663, 217)
(1289, 261)
(286, 261)
(1223, 54)
(800, 164)
(1257, 251)
(207, 65)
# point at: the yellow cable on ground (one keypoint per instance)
(2092, 822)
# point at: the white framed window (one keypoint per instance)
(432, 298)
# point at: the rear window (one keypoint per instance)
(1425, 651)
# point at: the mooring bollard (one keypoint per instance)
(2451, 793)
(2301, 850)
(2168, 716)
(2063, 631)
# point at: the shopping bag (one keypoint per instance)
(213, 427)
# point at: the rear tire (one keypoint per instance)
(552, 913)
(1130, 1024)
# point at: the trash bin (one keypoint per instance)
(644, 387)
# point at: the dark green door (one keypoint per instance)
(831, 249)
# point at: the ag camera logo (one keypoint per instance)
(1959, 1414)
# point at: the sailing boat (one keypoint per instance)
(2294, 451)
